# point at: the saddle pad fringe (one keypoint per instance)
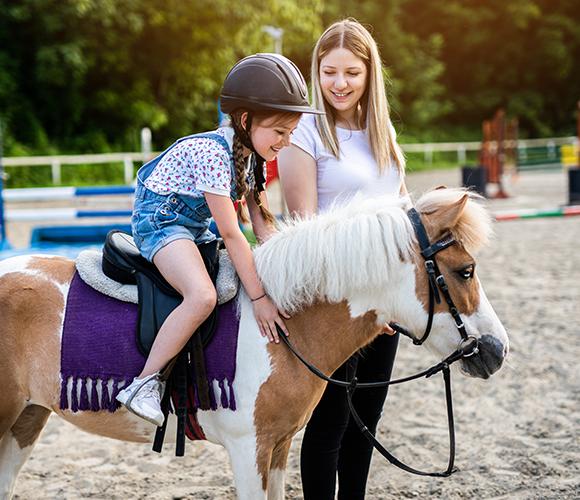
(79, 393)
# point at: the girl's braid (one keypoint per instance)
(266, 214)
(241, 185)
(240, 168)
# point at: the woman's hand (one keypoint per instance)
(387, 330)
(267, 316)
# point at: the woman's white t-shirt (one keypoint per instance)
(355, 171)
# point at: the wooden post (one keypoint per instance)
(492, 154)
(128, 169)
(146, 143)
(511, 150)
(485, 146)
(56, 173)
(578, 131)
(461, 155)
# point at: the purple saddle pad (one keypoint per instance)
(99, 353)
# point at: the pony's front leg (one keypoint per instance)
(250, 469)
(277, 476)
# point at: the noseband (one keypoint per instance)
(468, 346)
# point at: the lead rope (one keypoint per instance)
(388, 455)
(465, 349)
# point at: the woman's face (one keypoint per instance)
(269, 136)
(343, 81)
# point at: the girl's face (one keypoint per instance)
(343, 81)
(269, 136)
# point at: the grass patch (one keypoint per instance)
(416, 162)
(250, 236)
(99, 174)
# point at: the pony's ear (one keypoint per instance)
(433, 210)
(448, 217)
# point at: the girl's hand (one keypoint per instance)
(267, 316)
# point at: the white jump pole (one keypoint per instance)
(63, 193)
(29, 215)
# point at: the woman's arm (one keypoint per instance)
(266, 313)
(262, 229)
(297, 170)
(403, 191)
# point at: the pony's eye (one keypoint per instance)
(467, 272)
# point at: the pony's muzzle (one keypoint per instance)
(488, 360)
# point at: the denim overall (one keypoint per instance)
(160, 219)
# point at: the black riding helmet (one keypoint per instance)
(264, 82)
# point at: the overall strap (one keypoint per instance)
(147, 168)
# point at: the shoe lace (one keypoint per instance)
(150, 389)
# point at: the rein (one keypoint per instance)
(468, 347)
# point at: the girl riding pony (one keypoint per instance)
(199, 177)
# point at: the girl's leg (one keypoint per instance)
(375, 363)
(182, 266)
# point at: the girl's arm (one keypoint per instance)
(266, 313)
(297, 170)
(262, 229)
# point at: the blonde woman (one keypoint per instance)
(350, 149)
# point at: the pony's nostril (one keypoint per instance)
(492, 352)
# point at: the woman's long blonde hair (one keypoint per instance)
(374, 108)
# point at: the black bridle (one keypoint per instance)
(436, 280)
(469, 346)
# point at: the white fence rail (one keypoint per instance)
(55, 162)
(128, 159)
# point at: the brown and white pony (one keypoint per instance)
(342, 276)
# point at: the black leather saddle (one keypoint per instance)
(122, 262)
(186, 374)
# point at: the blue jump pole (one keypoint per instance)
(3, 240)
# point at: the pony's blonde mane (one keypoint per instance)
(352, 247)
(328, 256)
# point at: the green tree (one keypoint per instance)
(86, 75)
(520, 55)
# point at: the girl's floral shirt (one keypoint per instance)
(195, 166)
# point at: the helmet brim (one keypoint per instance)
(291, 108)
(230, 103)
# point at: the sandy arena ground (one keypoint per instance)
(517, 433)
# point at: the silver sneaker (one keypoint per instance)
(143, 398)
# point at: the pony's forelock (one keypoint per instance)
(474, 228)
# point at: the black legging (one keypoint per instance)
(332, 441)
